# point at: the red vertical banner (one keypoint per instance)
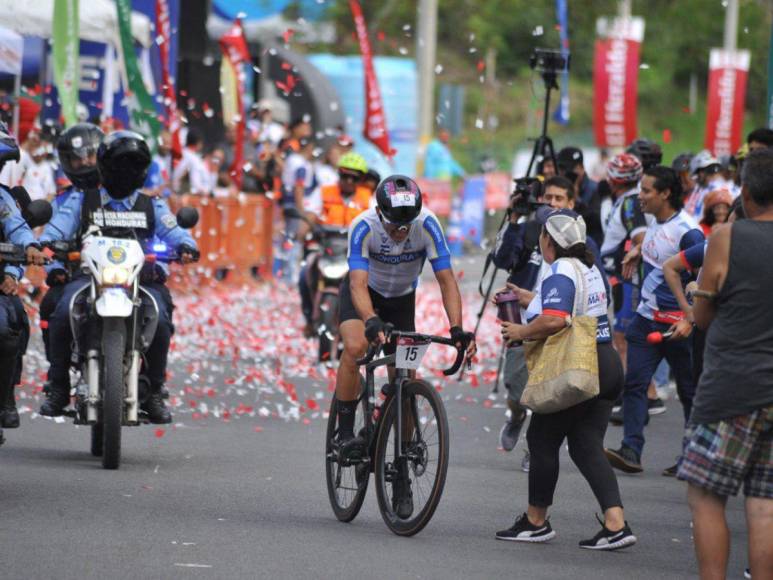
(375, 129)
(235, 54)
(616, 81)
(728, 73)
(164, 39)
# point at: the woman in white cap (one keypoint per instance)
(562, 242)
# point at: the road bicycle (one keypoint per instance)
(406, 439)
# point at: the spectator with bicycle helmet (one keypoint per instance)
(572, 270)
(388, 246)
(707, 173)
(648, 152)
(681, 164)
(624, 232)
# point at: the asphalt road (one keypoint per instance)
(239, 492)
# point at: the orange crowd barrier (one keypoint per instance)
(234, 234)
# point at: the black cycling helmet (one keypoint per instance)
(373, 175)
(123, 159)
(649, 153)
(9, 148)
(398, 199)
(681, 162)
(75, 146)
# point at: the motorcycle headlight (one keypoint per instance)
(334, 270)
(115, 275)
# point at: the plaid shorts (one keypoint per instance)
(720, 456)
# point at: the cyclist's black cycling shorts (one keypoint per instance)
(399, 311)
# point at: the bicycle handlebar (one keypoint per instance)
(391, 334)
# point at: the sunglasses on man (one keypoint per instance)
(393, 227)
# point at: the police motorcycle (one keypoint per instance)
(327, 266)
(114, 320)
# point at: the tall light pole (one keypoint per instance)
(426, 47)
(731, 26)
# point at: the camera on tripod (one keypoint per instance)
(525, 196)
(546, 61)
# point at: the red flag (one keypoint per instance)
(728, 72)
(615, 82)
(163, 28)
(375, 129)
(235, 54)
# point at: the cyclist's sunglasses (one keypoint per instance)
(393, 226)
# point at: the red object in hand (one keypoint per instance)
(658, 337)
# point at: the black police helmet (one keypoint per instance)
(648, 152)
(75, 148)
(123, 159)
(399, 199)
(9, 148)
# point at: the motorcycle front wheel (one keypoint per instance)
(113, 348)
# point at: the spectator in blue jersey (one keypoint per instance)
(672, 231)
(439, 163)
(572, 269)
(518, 251)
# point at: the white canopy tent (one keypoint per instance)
(99, 20)
(11, 51)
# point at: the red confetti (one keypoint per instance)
(160, 432)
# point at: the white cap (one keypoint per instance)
(566, 230)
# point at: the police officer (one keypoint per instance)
(13, 229)
(123, 159)
(77, 151)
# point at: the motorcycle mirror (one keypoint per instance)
(187, 217)
(37, 213)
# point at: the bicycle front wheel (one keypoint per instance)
(346, 482)
(409, 483)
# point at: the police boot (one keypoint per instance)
(154, 406)
(56, 400)
(9, 416)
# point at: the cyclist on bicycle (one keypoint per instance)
(388, 246)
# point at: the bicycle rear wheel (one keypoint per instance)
(346, 483)
(425, 464)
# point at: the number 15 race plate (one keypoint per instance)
(409, 352)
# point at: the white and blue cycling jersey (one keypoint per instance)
(394, 268)
(555, 297)
(662, 241)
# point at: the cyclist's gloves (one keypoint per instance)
(373, 326)
(460, 337)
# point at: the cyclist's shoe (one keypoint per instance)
(655, 406)
(609, 540)
(352, 449)
(157, 412)
(747, 573)
(402, 498)
(508, 436)
(625, 459)
(524, 531)
(55, 403)
(9, 417)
